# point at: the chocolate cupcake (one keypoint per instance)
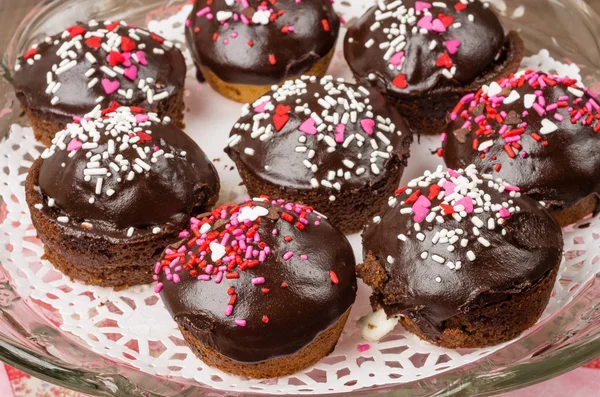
(113, 191)
(244, 47)
(98, 63)
(424, 56)
(335, 146)
(462, 259)
(254, 290)
(537, 131)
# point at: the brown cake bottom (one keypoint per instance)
(45, 126)
(245, 93)
(276, 367)
(568, 216)
(94, 258)
(350, 210)
(427, 114)
(480, 327)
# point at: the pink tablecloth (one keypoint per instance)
(583, 382)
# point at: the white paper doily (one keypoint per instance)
(133, 326)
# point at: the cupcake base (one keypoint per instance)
(244, 93)
(45, 126)
(480, 327)
(276, 367)
(93, 258)
(427, 114)
(348, 212)
(568, 216)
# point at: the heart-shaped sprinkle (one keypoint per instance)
(512, 97)
(308, 127)
(144, 137)
(452, 46)
(494, 89)
(131, 72)
(127, 59)
(127, 44)
(110, 86)
(548, 127)
(141, 56)
(446, 19)
(460, 6)
(115, 58)
(261, 108)
(75, 31)
(217, 251)
(461, 134)
(282, 109)
(93, 42)
(448, 188)
(280, 120)
(421, 5)
(400, 81)
(438, 26)
(466, 202)
(113, 26)
(512, 118)
(425, 22)
(529, 100)
(396, 59)
(444, 61)
(252, 214)
(339, 133)
(75, 144)
(367, 126)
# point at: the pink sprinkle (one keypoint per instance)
(157, 268)
(141, 118)
(176, 278)
(421, 5)
(452, 46)
(209, 269)
(523, 154)
(512, 139)
(367, 126)
(363, 348)
(228, 310)
(234, 34)
(203, 11)
(258, 280)
(158, 288)
(141, 56)
(558, 117)
(219, 277)
(396, 59)
(244, 19)
(511, 188)
(304, 257)
(188, 23)
(225, 41)
(209, 16)
(443, 137)
(448, 188)
(241, 323)
(288, 255)
(504, 213)
(453, 174)
(204, 277)
(308, 126)
(339, 133)
(75, 144)
(467, 203)
(110, 86)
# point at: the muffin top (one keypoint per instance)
(452, 241)
(408, 47)
(537, 131)
(128, 173)
(321, 134)
(96, 63)
(261, 42)
(254, 281)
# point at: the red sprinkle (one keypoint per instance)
(333, 277)
(272, 59)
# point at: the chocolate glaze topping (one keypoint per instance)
(536, 131)
(70, 73)
(321, 134)
(261, 42)
(255, 281)
(125, 175)
(455, 241)
(410, 47)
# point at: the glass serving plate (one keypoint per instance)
(570, 337)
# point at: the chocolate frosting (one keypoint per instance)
(360, 140)
(282, 302)
(258, 42)
(138, 194)
(392, 45)
(541, 136)
(139, 62)
(512, 254)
